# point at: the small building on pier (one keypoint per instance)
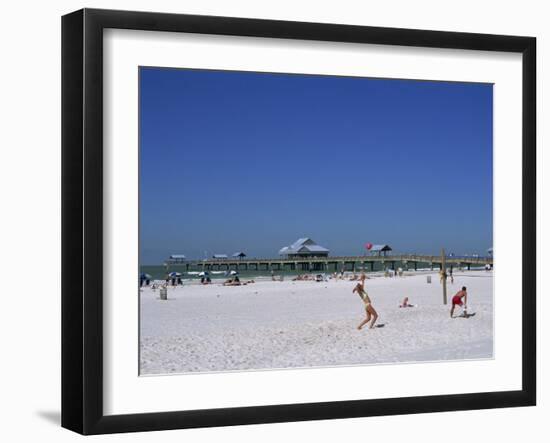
(177, 258)
(239, 255)
(220, 257)
(304, 247)
(380, 250)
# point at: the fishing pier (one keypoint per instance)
(331, 264)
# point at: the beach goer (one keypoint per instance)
(457, 299)
(234, 281)
(442, 275)
(451, 275)
(405, 303)
(372, 315)
(362, 278)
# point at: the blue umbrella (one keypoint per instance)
(174, 274)
(144, 276)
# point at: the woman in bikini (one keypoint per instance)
(371, 312)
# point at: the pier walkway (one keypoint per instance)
(333, 264)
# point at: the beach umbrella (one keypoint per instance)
(174, 274)
(233, 273)
(203, 274)
(368, 246)
(145, 276)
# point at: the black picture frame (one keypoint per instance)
(82, 218)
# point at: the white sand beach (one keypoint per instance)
(268, 325)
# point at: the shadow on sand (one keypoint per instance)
(54, 417)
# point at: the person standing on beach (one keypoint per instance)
(457, 299)
(372, 315)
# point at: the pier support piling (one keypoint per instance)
(444, 276)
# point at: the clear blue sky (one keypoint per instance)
(234, 161)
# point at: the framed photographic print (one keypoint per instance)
(268, 221)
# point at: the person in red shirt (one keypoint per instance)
(457, 299)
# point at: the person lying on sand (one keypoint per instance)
(457, 299)
(372, 315)
(405, 303)
(232, 282)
